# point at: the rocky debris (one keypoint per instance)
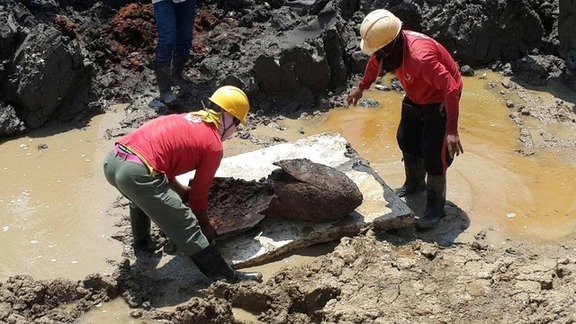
(288, 56)
(387, 275)
(198, 310)
(24, 300)
(372, 277)
(538, 70)
(10, 124)
(547, 111)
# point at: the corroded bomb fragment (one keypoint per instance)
(311, 191)
(236, 205)
(300, 190)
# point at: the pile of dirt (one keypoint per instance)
(389, 277)
(376, 279)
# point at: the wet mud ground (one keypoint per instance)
(488, 274)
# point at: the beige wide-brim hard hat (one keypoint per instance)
(366, 49)
(378, 29)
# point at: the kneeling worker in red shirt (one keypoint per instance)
(144, 164)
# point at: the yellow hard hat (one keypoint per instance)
(378, 29)
(233, 100)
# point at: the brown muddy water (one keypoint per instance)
(53, 197)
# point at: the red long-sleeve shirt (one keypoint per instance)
(428, 74)
(176, 144)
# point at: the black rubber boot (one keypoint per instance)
(140, 223)
(212, 265)
(435, 201)
(415, 176)
(178, 63)
(163, 73)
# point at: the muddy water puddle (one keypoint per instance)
(53, 197)
(530, 197)
(54, 221)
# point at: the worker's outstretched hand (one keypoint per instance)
(454, 145)
(354, 96)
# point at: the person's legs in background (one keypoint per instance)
(165, 13)
(185, 15)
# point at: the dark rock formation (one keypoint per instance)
(44, 70)
(10, 124)
(289, 56)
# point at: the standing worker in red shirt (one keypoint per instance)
(144, 164)
(428, 130)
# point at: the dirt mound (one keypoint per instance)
(389, 279)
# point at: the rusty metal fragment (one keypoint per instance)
(299, 190)
(236, 205)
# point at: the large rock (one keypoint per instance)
(44, 71)
(300, 190)
(567, 32)
(10, 124)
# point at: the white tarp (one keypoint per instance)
(380, 208)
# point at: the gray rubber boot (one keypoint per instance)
(163, 73)
(435, 202)
(415, 176)
(178, 63)
(140, 223)
(212, 265)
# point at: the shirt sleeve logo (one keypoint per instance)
(409, 78)
(194, 119)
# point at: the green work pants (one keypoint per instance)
(158, 201)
